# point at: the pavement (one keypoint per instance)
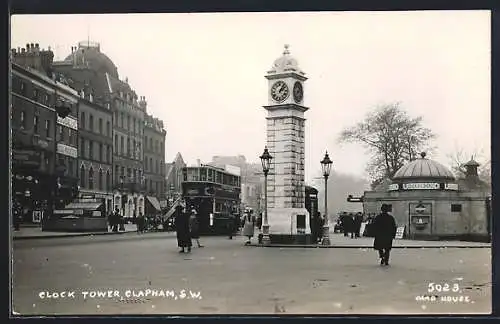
(336, 240)
(36, 232)
(110, 275)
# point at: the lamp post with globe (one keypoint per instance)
(326, 165)
(265, 158)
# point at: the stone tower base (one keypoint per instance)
(284, 221)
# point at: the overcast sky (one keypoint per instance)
(203, 74)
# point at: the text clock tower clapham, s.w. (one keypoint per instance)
(285, 141)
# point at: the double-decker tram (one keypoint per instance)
(214, 193)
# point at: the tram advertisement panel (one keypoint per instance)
(195, 189)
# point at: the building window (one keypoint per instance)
(60, 133)
(135, 175)
(82, 120)
(128, 122)
(146, 163)
(101, 153)
(23, 119)
(122, 124)
(108, 180)
(156, 147)
(70, 137)
(35, 94)
(91, 178)
(82, 147)
(91, 123)
(108, 160)
(456, 208)
(116, 174)
(23, 88)
(115, 148)
(47, 128)
(82, 176)
(108, 129)
(146, 142)
(151, 164)
(133, 124)
(157, 167)
(100, 126)
(71, 169)
(139, 150)
(36, 120)
(121, 145)
(128, 147)
(151, 143)
(100, 179)
(46, 99)
(91, 150)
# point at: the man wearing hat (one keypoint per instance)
(384, 227)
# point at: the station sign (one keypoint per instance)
(423, 186)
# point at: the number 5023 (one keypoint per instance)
(432, 287)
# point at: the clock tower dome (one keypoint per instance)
(286, 143)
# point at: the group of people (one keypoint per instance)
(384, 228)
(116, 221)
(351, 224)
(187, 227)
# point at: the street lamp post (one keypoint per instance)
(265, 158)
(326, 165)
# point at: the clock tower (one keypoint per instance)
(285, 141)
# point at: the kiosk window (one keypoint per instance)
(456, 208)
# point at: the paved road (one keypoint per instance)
(226, 277)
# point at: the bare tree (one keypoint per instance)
(460, 157)
(391, 137)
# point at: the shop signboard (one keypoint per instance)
(423, 186)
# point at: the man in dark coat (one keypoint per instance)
(358, 220)
(182, 228)
(384, 227)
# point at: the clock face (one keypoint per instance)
(279, 91)
(298, 92)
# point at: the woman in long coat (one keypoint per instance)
(182, 228)
(384, 227)
(194, 227)
(248, 226)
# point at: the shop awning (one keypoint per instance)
(84, 205)
(154, 202)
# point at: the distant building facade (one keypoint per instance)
(89, 69)
(95, 149)
(154, 163)
(173, 177)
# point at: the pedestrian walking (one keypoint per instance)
(140, 223)
(115, 219)
(248, 226)
(182, 228)
(384, 227)
(358, 220)
(194, 227)
(231, 226)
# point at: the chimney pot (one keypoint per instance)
(37, 45)
(27, 46)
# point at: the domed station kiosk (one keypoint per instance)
(425, 197)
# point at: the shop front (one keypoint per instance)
(81, 215)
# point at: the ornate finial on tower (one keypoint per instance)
(286, 51)
(423, 154)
